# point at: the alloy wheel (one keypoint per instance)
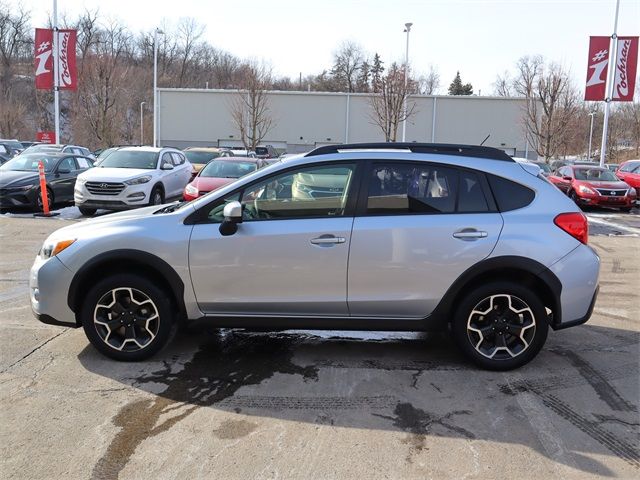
(126, 319)
(501, 327)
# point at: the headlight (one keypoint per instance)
(632, 192)
(81, 181)
(585, 189)
(51, 249)
(139, 180)
(191, 190)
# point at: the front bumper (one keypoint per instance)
(49, 282)
(17, 198)
(605, 201)
(134, 196)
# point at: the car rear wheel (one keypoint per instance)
(500, 326)
(127, 317)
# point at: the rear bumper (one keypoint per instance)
(578, 273)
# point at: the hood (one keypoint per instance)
(208, 184)
(612, 185)
(99, 174)
(11, 178)
(93, 225)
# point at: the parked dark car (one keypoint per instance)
(266, 151)
(20, 183)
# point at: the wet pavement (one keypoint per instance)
(235, 404)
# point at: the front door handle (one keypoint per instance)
(328, 240)
(469, 234)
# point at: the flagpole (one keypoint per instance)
(611, 78)
(56, 92)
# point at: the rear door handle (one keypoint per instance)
(328, 240)
(470, 233)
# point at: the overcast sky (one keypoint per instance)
(480, 38)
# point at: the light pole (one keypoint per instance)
(407, 29)
(592, 114)
(142, 104)
(155, 85)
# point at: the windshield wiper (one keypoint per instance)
(171, 208)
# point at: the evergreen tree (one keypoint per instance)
(376, 73)
(457, 88)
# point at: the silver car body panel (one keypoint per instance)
(272, 267)
(401, 266)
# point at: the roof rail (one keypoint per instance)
(437, 148)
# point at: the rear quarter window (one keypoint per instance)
(510, 195)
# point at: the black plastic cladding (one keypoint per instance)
(437, 148)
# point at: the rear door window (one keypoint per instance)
(407, 188)
(177, 159)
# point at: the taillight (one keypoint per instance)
(575, 224)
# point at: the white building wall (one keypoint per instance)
(302, 120)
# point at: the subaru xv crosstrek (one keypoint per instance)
(404, 236)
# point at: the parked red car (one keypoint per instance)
(596, 186)
(629, 172)
(220, 172)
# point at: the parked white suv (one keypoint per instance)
(132, 177)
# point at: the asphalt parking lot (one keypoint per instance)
(232, 404)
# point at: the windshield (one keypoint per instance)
(29, 163)
(129, 159)
(200, 157)
(595, 175)
(43, 148)
(227, 169)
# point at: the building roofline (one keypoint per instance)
(336, 94)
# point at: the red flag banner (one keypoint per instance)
(67, 70)
(597, 68)
(44, 58)
(626, 67)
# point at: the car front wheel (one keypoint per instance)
(500, 326)
(127, 317)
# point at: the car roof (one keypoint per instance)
(237, 159)
(205, 149)
(146, 149)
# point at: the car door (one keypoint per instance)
(419, 227)
(288, 256)
(169, 179)
(565, 175)
(183, 171)
(64, 179)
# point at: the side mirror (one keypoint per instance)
(232, 217)
(63, 170)
(166, 166)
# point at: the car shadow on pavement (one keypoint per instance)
(576, 402)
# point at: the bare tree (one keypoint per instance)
(347, 63)
(429, 83)
(189, 33)
(250, 109)
(503, 86)
(551, 101)
(387, 106)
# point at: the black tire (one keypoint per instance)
(87, 212)
(50, 197)
(532, 323)
(149, 341)
(626, 209)
(157, 196)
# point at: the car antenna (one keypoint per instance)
(485, 139)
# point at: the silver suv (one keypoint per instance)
(350, 237)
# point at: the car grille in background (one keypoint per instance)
(104, 188)
(611, 193)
